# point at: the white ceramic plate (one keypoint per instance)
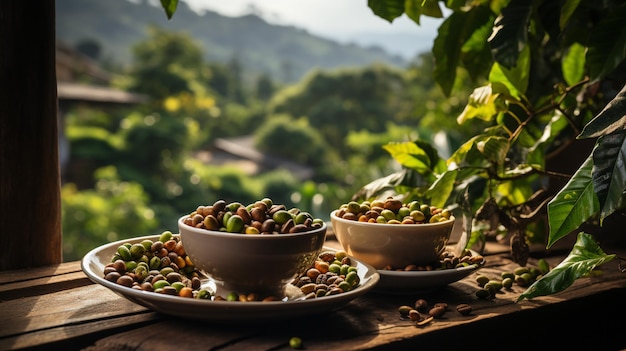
(94, 261)
(405, 282)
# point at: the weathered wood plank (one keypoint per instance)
(62, 308)
(39, 272)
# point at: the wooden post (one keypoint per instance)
(30, 200)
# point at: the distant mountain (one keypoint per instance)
(285, 52)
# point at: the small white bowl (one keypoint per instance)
(392, 245)
(252, 263)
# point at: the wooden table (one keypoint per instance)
(59, 308)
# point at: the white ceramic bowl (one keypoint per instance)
(242, 263)
(392, 245)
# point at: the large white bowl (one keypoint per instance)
(244, 263)
(392, 245)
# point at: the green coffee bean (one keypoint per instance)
(131, 265)
(495, 284)
(353, 278)
(483, 293)
(177, 286)
(137, 250)
(165, 236)
(345, 286)
(543, 265)
(124, 253)
(159, 284)
(482, 280)
(281, 217)
(232, 296)
(295, 342)
(147, 244)
(404, 310)
(505, 275)
(520, 270)
(234, 224)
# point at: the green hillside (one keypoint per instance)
(284, 52)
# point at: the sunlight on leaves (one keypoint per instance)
(573, 64)
(485, 103)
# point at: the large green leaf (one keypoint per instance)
(611, 119)
(510, 32)
(170, 7)
(387, 9)
(585, 256)
(454, 32)
(573, 205)
(573, 64)
(609, 173)
(607, 44)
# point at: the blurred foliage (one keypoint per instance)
(112, 210)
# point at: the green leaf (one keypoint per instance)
(485, 102)
(573, 64)
(409, 155)
(567, 10)
(453, 33)
(516, 78)
(414, 9)
(467, 155)
(555, 126)
(510, 32)
(607, 44)
(609, 173)
(380, 185)
(574, 204)
(585, 256)
(170, 7)
(440, 190)
(610, 120)
(387, 9)
(494, 148)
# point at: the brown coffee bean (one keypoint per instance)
(421, 305)
(464, 309)
(437, 312)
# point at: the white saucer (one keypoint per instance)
(404, 282)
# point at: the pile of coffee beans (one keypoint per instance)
(522, 276)
(392, 211)
(422, 312)
(260, 217)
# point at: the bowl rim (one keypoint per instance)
(333, 216)
(243, 236)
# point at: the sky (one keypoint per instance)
(342, 20)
